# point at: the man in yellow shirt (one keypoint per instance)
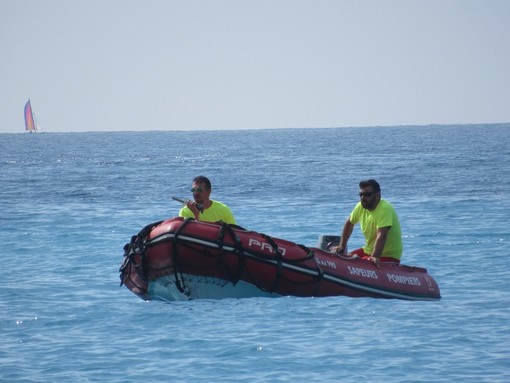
(210, 210)
(379, 223)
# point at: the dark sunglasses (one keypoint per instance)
(197, 190)
(366, 194)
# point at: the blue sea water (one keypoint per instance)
(70, 201)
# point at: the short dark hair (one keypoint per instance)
(373, 183)
(202, 180)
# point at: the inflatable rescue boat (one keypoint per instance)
(182, 259)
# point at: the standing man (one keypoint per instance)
(213, 211)
(379, 224)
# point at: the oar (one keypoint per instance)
(185, 201)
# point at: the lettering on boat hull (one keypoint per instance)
(326, 263)
(404, 280)
(264, 246)
(361, 272)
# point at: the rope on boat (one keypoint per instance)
(179, 280)
(279, 260)
(319, 270)
(238, 250)
(136, 247)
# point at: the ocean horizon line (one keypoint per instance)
(459, 125)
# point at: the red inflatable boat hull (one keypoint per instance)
(187, 259)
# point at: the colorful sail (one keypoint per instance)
(29, 118)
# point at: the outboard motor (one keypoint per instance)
(327, 241)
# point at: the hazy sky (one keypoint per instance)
(183, 65)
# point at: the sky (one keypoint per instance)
(135, 65)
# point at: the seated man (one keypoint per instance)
(213, 211)
(379, 224)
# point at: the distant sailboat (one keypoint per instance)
(31, 123)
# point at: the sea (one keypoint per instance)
(70, 201)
